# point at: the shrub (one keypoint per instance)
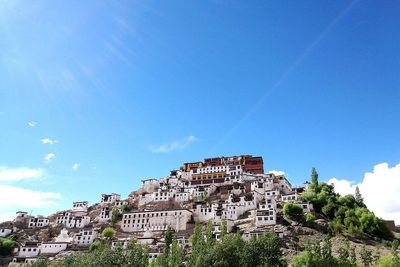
(6, 246)
(292, 210)
(108, 232)
(310, 218)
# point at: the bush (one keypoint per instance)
(292, 210)
(108, 232)
(310, 218)
(6, 246)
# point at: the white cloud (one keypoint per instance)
(175, 145)
(380, 189)
(47, 141)
(75, 166)
(14, 198)
(49, 157)
(18, 174)
(32, 123)
(277, 172)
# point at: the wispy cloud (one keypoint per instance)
(175, 145)
(49, 157)
(47, 141)
(32, 123)
(75, 166)
(18, 174)
(13, 198)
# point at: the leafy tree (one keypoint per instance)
(177, 256)
(6, 246)
(310, 218)
(115, 215)
(228, 252)
(320, 254)
(224, 228)
(95, 245)
(168, 236)
(292, 210)
(388, 261)
(108, 233)
(314, 177)
(358, 197)
(395, 247)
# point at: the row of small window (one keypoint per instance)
(30, 249)
(51, 246)
(150, 214)
(265, 218)
(133, 221)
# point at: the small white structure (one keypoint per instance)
(292, 197)
(147, 238)
(6, 231)
(265, 217)
(29, 250)
(21, 217)
(22, 261)
(72, 221)
(80, 208)
(52, 247)
(85, 237)
(156, 220)
(110, 199)
(63, 237)
(120, 242)
(38, 222)
(105, 214)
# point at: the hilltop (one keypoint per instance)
(227, 194)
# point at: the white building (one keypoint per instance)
(120, 242)
(265, 217)
(85, 237)
(52, 247)
(292, 197)
(156, 220)
(110, 199)
(23, 261)
(105, 214)
(6, 231)
(38, 222)
(72, 221)
(80, 207)
(21, 217)
(29, 250)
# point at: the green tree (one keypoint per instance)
(358, 197)
(395, 247)
(310, 218)
(292, 210)
(314, 177)
(224, 228)
(115, 215)
(177, 255)
(6, 246)
(168, 236)
(108, 233)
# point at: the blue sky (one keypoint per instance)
(127, 90)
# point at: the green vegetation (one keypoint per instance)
(108, 233)
(292, 210)
(116, 215)
(345, 212)
(320, 254)
(6, 246)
